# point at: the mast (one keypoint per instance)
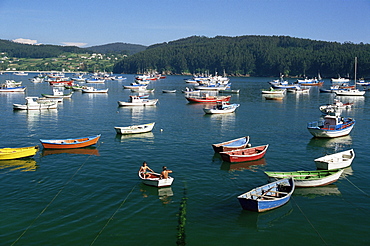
(355, 69)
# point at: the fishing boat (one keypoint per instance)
(229, 91)
(238, 143)
(17, 153)
(340, 80)
(222, 108)
(350, 92)
(274, 91)
(57, 93)
(33, 103)
(155, 180)
(337, 104)
(95, 80)
(169, 91)
(247, 154)
(206, 98)
(135, 86)
(137, 101)
(308, 178)
(269, 196)
(334, 161)
(90, 89)
(135, 128)
(332, 126)
(211, 87)
(69, 143)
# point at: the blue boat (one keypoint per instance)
(267, 197)
(331, 127)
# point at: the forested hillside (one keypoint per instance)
(18, 50)
(251, 55)
(122, 48)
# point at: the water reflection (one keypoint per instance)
(265, 220)
(148, 136)
(24, 165)
(312, 192)
(250, 165)
(79, 151)
(333, 145)
(137, 113)
(164, 194)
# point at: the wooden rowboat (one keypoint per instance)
(155, 180)
(338, 160)
(308, 178)
(248, 154)
(238, 143)
(69, 143)
(267, 197)
(135, 128)
(17, 153)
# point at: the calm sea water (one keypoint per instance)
(94, 197)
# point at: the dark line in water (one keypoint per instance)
(182, 221)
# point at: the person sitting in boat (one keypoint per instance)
(144, 169)
(165, 172)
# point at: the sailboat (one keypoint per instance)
(351, 92)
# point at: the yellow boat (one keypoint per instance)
(17, 153)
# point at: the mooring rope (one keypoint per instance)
(100, 232)
(356, 186)
(52, 200)
(310, 222)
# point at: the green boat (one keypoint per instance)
(308, 178)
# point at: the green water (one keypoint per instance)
(96, 198)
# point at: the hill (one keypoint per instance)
(250, 55)
(123, 48)
(19, 50)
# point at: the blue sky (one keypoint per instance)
(146, 22)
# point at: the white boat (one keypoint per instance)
(334, 161)
(12, 86)
(332, 126)
(332, 108)
(135, 128)
(32, 103)
(90, 89)
(95, 80)
(155, 180)
(274, 91)
(350, 92)
(339, 80)
(212, 87)
(169, 91)
(137, 101)
(135, 86)
(57, 93)
(221, 108)
(21, 73)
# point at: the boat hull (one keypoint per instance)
(308, 178)
(239, 143)
(268, 197)
(17, 153)
(69, 143)
(338, 160)
(242, 155)
(135, 129)
(144, 103)
(327, 133)
(156, 181)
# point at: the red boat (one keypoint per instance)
(248, 154)
(208, 99)
(61, 82)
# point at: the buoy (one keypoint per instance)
(161, 130)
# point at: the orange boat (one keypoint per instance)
(70, 143)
